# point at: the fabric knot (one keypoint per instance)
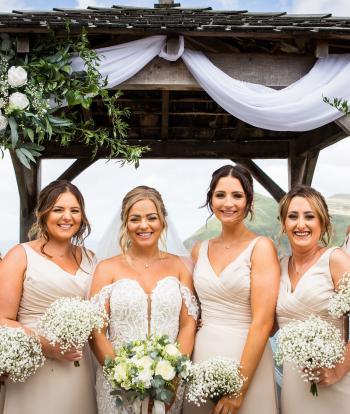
(172, 48)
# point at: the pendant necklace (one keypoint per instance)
(149, 263)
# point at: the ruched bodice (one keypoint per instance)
(40, 292)
(311, 296)
(226, 318)
(133, 315)
(58, 387)
(224, 298)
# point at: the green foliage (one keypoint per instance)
(339, 103)
(59, 101)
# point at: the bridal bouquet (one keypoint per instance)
(339, 303)
(309, 345)
(69, 322)
(149, 367)
(212, 379)
(20, 354)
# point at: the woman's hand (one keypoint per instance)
(228, 405)
(71, 355)
(329, 376)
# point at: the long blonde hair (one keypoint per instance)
(139, 193)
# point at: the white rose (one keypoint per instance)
(144, 362)
(18, 100)
(3, 122)
(172, 350)
(17, 76)
(121, 372)
(145, 376)
(165, 370)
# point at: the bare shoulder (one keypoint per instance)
(339, 260)
(264, 244)
(16, 254)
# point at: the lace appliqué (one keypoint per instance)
(190, 302)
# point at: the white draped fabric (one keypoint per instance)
(298, 107)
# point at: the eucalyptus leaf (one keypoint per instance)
(24, 160)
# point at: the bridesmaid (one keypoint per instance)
(309, 277)
(32, 276)
(237, 278)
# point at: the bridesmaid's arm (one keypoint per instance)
(339, 263)
(99, 343)
(264, 285)
(187, 328)
(12, 270)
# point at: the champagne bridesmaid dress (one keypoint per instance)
(58, 387)
(226, 318)
(311, 296)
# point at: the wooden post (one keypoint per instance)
(165, 115)
(28, 183)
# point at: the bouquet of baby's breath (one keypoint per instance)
(20, 354)
(212, 379)
(309, 345)
(339, 303)
(148, 367)
(69, 322)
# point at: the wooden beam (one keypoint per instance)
(22, 44)
(76, 168)
(165, 115)
(344, 123)
(273, 71)
(274, 189)
(322, 49)
(318, 139)
(197, 149)
(28, 183)
(311, 161)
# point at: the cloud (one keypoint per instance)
(228, 4)
(336, 7)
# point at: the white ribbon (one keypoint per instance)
(158, 407)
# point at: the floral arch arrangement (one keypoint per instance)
(42, 99)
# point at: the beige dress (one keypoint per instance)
(226, 318)
(311, 296)
(57, 387)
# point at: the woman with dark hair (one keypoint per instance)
(236, 279)
(308, 280)
(32, 276)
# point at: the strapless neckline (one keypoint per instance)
(138, 284)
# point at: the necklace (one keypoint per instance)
(305, 265)
(149, 262)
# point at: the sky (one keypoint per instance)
(105, 183)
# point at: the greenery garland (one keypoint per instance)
(42, 99)
(339, 103)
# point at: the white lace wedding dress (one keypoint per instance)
(133, 315)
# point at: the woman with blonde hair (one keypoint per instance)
(146, 290)
(32, 276)
(308, 280)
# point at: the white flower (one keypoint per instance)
(121, 372)
(172, 350)
(18, 100)
(17, 76)
(145, 376)
(3, 122)
(144, 362)
(165, 370)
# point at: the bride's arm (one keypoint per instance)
(99, 343)
(264, 285)
(188, 322)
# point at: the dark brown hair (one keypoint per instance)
(47, 199)
(242, 175)
(317, 202)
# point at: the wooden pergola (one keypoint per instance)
(169, 111)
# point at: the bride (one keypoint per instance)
(145, 290)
